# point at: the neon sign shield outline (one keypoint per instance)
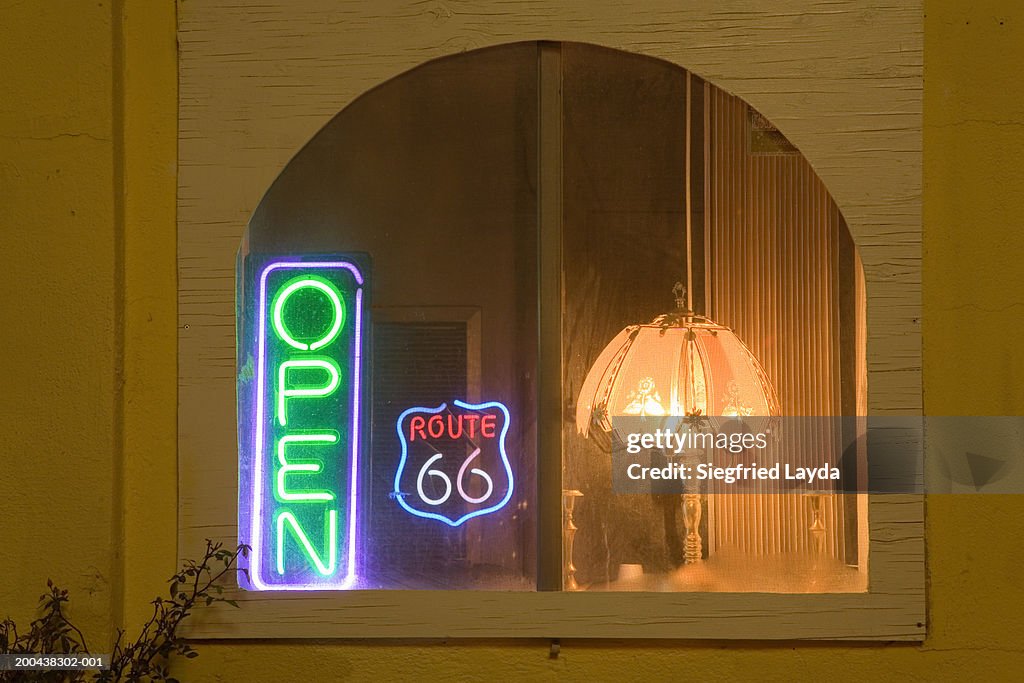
(400, 497)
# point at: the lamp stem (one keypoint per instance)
(569, 530)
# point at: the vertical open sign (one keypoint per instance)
(300, 379)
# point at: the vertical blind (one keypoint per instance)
(772, 274)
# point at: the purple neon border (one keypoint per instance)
(257, 492)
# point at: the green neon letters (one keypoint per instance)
(299, 464)
(284, 393)
(311, 467)
(315, 283)
(330, 532)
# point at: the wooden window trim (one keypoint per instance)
(872, 167)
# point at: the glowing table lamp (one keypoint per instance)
(679, 364)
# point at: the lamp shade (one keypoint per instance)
(679, 364)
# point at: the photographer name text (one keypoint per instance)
(731, 474)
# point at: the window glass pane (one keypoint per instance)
(706, 273)
(670, 180)
(430, 177)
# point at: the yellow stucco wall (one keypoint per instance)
(87, 196)
(59, 412)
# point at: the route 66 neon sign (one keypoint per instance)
(454, 465)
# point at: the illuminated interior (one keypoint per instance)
(705, 270)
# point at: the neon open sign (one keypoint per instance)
(299, 466)
(454, 465)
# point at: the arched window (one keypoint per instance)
(492, 221)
